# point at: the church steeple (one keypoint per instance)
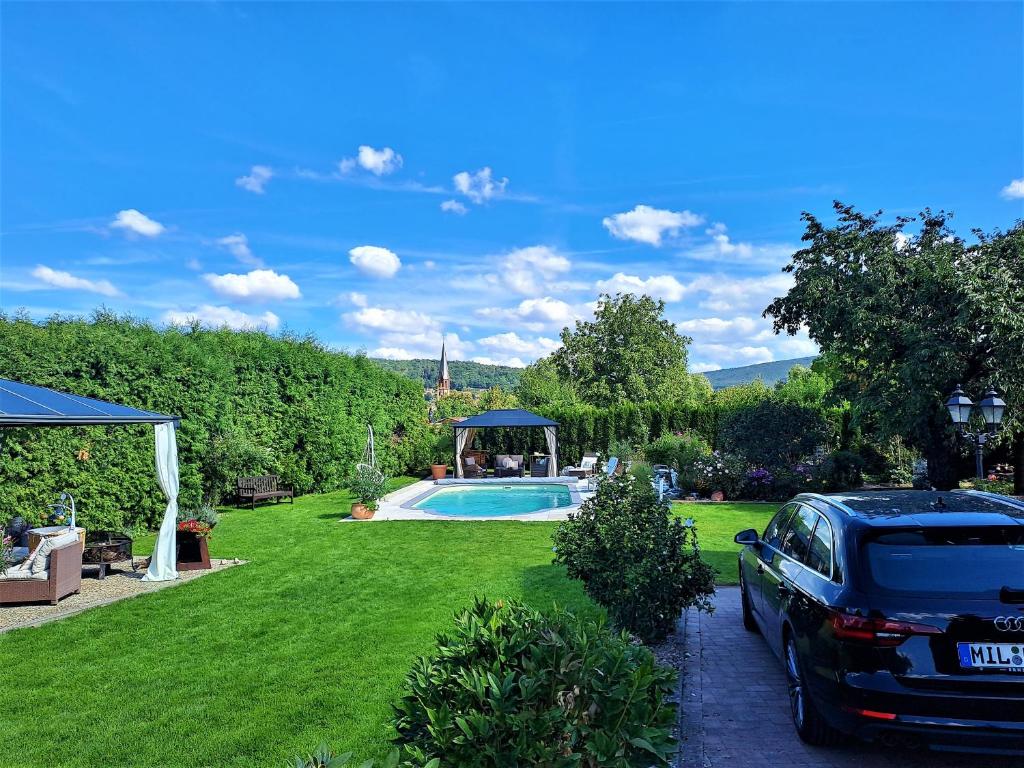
(444, 379)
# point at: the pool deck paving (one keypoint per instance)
(735, 710)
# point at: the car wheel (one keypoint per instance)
(809, 724)
(749, 622)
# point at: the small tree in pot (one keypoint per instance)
(368, 485)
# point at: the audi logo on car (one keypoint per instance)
(1009, 623)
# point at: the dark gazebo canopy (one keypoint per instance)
(26, 405)
(509, 417)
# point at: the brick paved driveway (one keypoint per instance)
(736, 714)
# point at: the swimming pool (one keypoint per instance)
(494, 500)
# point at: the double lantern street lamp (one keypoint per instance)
(992, 409)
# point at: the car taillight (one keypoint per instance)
(880, 632)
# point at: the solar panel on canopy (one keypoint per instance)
(26, 405)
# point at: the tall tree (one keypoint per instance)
(629, 352)
(903, 319)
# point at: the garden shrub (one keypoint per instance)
(634, 557)
(720, 472)
(772, 434)
(682, 451)
(324, 757)
(841, 471)
(514, 687)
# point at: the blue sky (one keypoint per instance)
(381, 175)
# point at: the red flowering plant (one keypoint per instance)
(199, 521)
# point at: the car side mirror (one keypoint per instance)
(748, 537)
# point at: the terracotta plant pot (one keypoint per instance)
(718, 496)
(361, 512)
(438, 471)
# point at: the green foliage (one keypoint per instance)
(741, 396)
(465, 374)
(496, 398)
(250, 404)
(323, 757)
(368, 485)
(720, 471)
(6, 552)
(204, 513)
(456, 403)
(681, 451)
(842, 470)
(903, 319)
(771, 434)
(637, 560)
(540, 385)
(514, 687)
(627, 354)
(809, 387)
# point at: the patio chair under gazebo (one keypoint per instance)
(26, 405)
(512, 417)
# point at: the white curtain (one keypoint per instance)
(461, 438)
(162, 563)
(551, 433)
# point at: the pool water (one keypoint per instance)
(495, 500)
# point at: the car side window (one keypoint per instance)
(777, 527)
(819, 553)
(797, 540)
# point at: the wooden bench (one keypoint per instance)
(262, 487)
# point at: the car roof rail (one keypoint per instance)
(831, 501)
(1015, 503)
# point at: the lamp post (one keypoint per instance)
(992, 409)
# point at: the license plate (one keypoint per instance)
(1006, 656)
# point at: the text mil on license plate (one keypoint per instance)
(1009, 656)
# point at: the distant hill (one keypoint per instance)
(465, 375)
(769, 373)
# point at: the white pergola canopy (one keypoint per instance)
(26, 405)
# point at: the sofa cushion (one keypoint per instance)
(41, 562)
(23, 574)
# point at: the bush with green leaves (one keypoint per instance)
(204, 513)
(772, 434)
(635, 558)
(514, 687)
(324, 757)
(720, 471)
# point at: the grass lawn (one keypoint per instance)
(307, 643)
(716, 526)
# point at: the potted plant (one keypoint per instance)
(444, 446)
(194, 528)
(368, 485)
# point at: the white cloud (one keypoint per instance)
(375, 261)
(131, 220)
(723, 248)
(729, 295)
(1014, 190)
(726, 354)
(357, 299)
(527, 270)
(238, 246)
(534, 314)
(645, 224)
(258, 284)
(429, 264)
(256, 180)
(480, 186)
(901, 241)
(709, 328)
(216, 317)
(512, 362)
(66, 280)
(454, 206)
(658, 286)
(395, 321)
(511, 343)
(427, 344)
(379, 162)
(704, 367)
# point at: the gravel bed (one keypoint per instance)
(118, 585)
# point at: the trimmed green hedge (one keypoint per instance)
(250, 404)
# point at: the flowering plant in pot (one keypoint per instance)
(368, 485)
(194, 528)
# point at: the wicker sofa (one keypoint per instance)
(61, 578)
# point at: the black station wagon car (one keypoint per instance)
(898, 615)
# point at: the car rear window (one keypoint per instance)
(942, 561)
